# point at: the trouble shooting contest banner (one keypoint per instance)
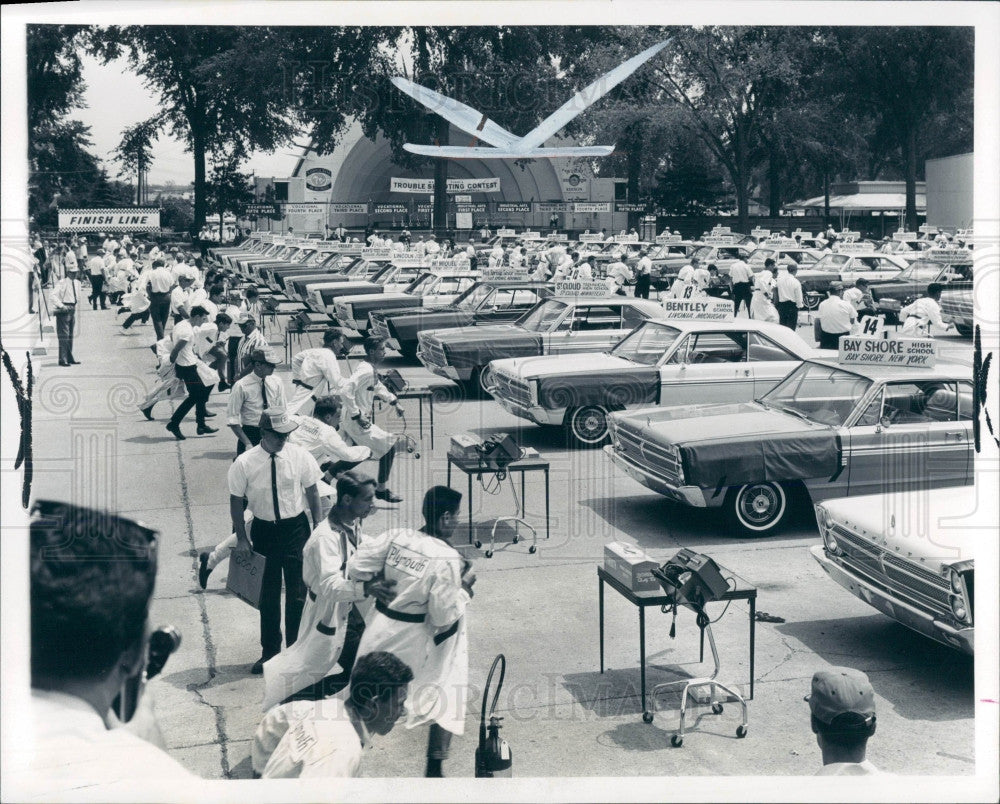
(122, 219)
(426, 186)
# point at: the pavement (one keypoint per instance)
(562, 717)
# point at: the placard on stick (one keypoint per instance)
(246, 572)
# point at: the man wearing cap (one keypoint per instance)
(252, 396)
(64, 298)
(842, 714)
(185, 363)
(316, 372)
(836, 317)
(273, 477)
(253, 340)
(643, 271)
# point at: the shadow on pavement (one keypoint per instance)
(241, 770)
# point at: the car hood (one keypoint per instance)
(732, 444)
(481, 336)
(479, 345)
(577, 365)
(409, 321)
(371, 299)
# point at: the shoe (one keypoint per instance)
(63, 363)
(203, 570)
(387, 495)
(210, 415)
(74, 362)
(121, 311)
(147, 412)
(204, 429)
(176, 430)
(258, 667)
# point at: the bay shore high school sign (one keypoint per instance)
(122, 219)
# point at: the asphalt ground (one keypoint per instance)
(562, 717)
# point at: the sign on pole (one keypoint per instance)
(120, 219)
(702, 309)
(902, 352)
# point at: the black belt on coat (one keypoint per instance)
(302, 384)
(403, 617)
(447, 634)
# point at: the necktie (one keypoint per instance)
(263, 393)
(274, 487)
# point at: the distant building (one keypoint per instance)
(950, 191)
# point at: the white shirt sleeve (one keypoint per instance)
(237, 479)
(369, 559)
(329, 581)
(447, 600)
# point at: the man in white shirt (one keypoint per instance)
(918, 317)
(860, 297)
(741, 277)
(619, 274)
(182, 298)
(318, 434)
(836, 317)
(65, 296)
(92, 578)
(762, 303)
(252, 396)
(316, 372)
(340, 232)
(425, 625)
(95, 269)
(185, 363)
(842, 716)
(158, 287)
(432, 247)
(643, 270)
(789, 297)
(496, 256)
(325, 739)
(274, 478)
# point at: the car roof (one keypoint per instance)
(777, 332)
(942, 370)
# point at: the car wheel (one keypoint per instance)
(476, 384)
(408, 350)
(811, 300)
(587, 425)
(964, 329)
(758, 508)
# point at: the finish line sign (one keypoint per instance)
(125, 219)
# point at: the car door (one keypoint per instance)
(506, 305)
(708, 367)
(898, 444)
(769, 362)
(587, 328)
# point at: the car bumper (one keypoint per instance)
(962, 639)
(534, 413)
(686, 495)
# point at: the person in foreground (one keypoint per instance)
(842, 713)
(92, 577)
(323, 739)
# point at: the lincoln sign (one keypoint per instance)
(127, 219)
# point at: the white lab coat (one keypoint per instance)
(359, 393)
(761, 304)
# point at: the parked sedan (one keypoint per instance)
(659, 363)
(783, 255)
(890, 297)
(905, 555)
(491, 302)
(958, 306)
(846, 268)
(824, 431)
(561, 325)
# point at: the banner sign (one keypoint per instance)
(514, 206)
(760, 234)
(854, 248)
(802, 233)
(702, 309)
(426, 186)
(779, 242)
(628, 238)
(850, 237)
(591, 289)
(504, 275)
(547, 206)
(926, 228)
(303, 208)
(123, 219)
(319, 179)
(471, 208)
(558, 237)
(421, 186)
(627, 206)
(349, 209)
(964, 233)
(506, 233)
(425, 207)
(904, 352)
(721, 230)
(595, 206)
(340, 248)
(262, 210)
(722, 240)
(376, 253)
(463, 199)
(438, 263)
(409, 262)
(904, 236)
(591, 238)
(531, 235)
(382, 209)
(574, 183)
(668, 238)
(948, 254)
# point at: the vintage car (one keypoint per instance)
(846, 268)
(321, 297)
(430, 289)
(890, 297)
(668, 259)
(958, 306)
(659, 363)
(910, 555)
(560, 325)
(824, 431)
(490, 302)
(783, 255)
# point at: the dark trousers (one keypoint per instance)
(159, 309)
(97, 291)
(281, 544)
(197, 395)
(133, 317)
(788, 314)
(65, 324)
(741, 294)
(438, 742)
(234, 347)
(642, 286)
(253, 433)
(830, 340)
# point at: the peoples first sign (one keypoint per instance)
(901, 352)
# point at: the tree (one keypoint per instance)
(228, 187)
(218, 87)
(134, 152)
(691, 183)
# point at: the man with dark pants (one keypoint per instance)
(252, 396)
(741, 276)
(186, 367)
(95, 268)
(273, 478)
(836, 317)
(643, 277)
(161, 282)
(65, 296)
(789, 297)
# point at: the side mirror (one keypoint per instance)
(885, 421)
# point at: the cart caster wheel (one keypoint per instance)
(478, 544)
(741, 731)
(532, 549)
(716, 709)
(647, 717)
(516, 540)
(677, 741)
(489, 554)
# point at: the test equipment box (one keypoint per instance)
(631, 566)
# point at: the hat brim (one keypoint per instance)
(283, 429)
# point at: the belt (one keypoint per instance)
(447, 634)
(283, 519)
(403, 617)
(302, 384)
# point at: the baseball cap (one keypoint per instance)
(277, 421)
(245, 318)
(838, 691)
(265, 356)
(836, 286)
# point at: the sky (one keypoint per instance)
(115, 99)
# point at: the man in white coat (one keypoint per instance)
(762, 304)
(425, 625)
(316, 372)
(319, 663)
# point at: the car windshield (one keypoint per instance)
(703, 252)
(761, 254)
(419, 285)
(543, 316)
(833, 263)
(818, 393)
(383, 274)
(647, 344)
(474, 297)
(921, 271)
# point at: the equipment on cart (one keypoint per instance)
(693, 580)
(493, 757)
(498, 451)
